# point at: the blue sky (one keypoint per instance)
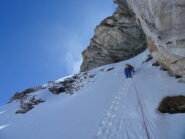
(42, 40)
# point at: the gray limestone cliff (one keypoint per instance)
(164, 25)
(117, 38)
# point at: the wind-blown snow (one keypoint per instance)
(107, 108)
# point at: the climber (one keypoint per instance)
(129, 69)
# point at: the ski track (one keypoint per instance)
(117, 115)
(116, 122)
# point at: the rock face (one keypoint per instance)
(117, 38)
(164, 25)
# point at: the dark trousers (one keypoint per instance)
(128, 73)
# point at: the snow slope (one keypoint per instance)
(111, 107)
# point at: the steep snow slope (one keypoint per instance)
(108, 108)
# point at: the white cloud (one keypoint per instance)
(75, 43)
(73, 55)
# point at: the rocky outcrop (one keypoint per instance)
(22, 94)
(28, 98)
(117, 38)
(70, 84)
(27, 103)
(164, 25)
(172, 104)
